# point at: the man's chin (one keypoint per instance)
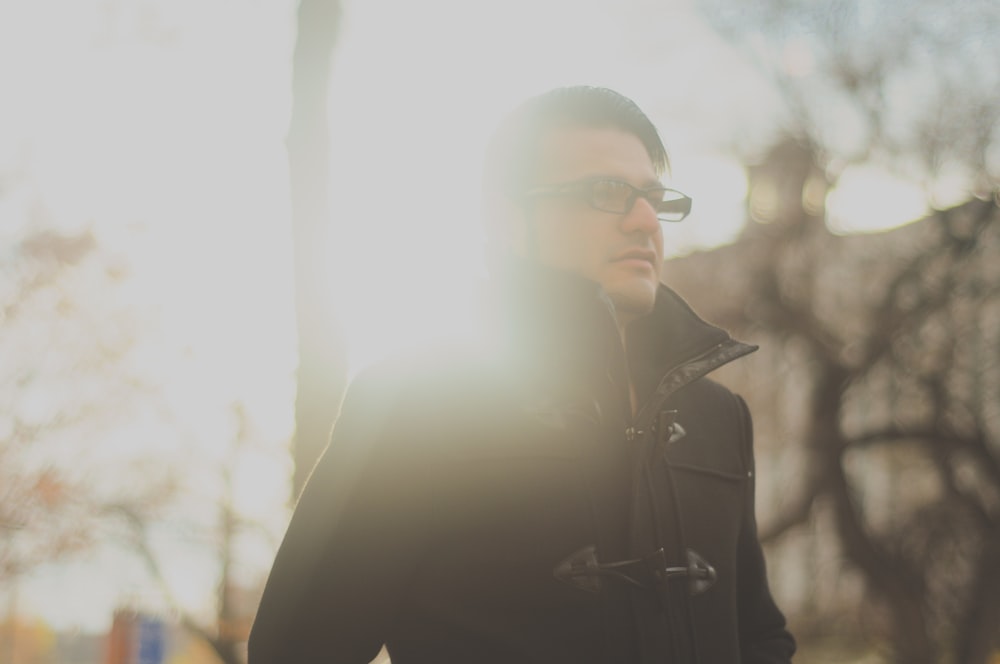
(633, 302)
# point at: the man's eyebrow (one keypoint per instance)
(646, 184)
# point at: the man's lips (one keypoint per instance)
(631, 255)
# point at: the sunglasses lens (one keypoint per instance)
(673, 207)
(610, 196)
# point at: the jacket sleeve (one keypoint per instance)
(344, 560)
(764, 638)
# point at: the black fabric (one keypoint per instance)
(454, 485)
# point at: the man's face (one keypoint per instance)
(622, 252)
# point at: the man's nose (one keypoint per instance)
(641, 218)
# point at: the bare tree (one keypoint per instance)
(322, 371)
(879, 373)
(876, 388)
(43, 515)
(910, 85)
(138, 517)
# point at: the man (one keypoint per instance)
(576, 491)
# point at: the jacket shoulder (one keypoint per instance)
(710, 400)
(434, 389)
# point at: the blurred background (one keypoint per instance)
(213, 213)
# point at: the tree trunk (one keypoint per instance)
(979, 635)
(322, 365)
(891, 579)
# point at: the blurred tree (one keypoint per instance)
(67, 373)
(43, 515)
(880, 371)
(322, 362)
(220, 529)
(881, 367)
(69, 321)
(911, 85)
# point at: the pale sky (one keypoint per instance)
(160, 125)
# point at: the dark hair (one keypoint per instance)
(513, 150)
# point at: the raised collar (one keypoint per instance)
(567, 323)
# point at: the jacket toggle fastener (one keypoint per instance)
(583, 570)
(667, 422)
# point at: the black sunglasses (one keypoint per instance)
(618, 197)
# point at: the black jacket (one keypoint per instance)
(505, 506)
